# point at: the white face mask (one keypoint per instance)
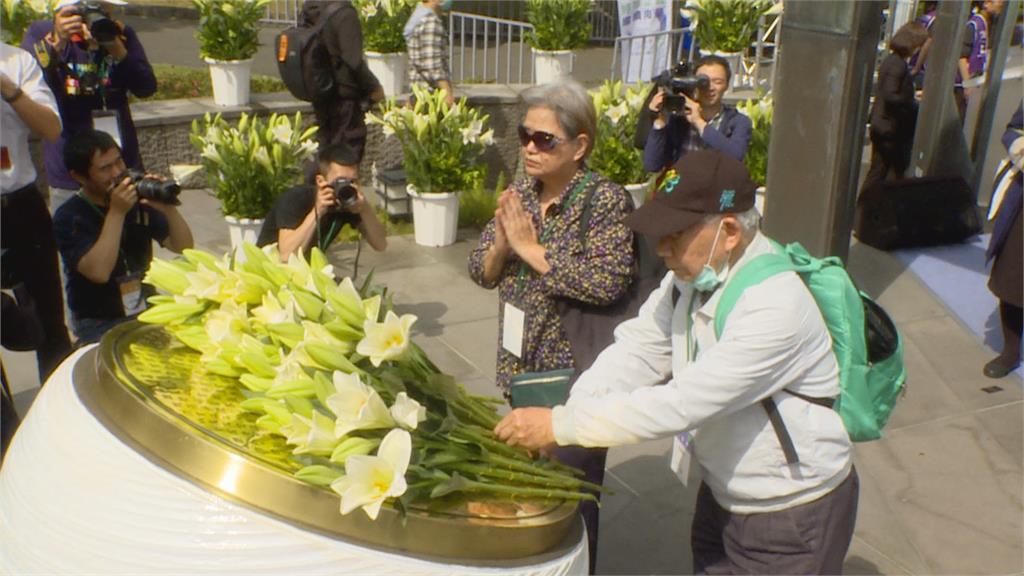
(707, 280)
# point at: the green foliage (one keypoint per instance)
(175, 82)
(726, 25)
(614, 155)
(250, 163)
(16, 15)
(228, 29)
(441, 145)
(476, 207)
(382, 22)
(760, 114)
(558, 24)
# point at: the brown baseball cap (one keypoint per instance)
(702, 182)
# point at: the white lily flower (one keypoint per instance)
(226, 323)
(263, 157)
(370, 480)
(272, 312)
(487, 138)
(471, 133)
(370, 9)
(204, 283)
(311, 435)
(356, 406)
(282, 132)
(387, 130)
(408, 412)
(387, 340)
(210, 153)
(616, 113)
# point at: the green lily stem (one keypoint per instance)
(489, 472)
(489, 443)
(523, 491)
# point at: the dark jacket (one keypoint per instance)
(894, 113)
(342, 36)
(664, 147)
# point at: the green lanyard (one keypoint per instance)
(545, 232)
(326, 240)
(103, 215)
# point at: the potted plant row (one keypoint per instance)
(614, 155)
(559, 27)
(383, 43)
(228, 38)
(250, 163)
(441, 149)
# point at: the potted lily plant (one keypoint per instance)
(559, 27)
(228, 38)
(383, 43)
(249, 163)
(760, 114)
(618, 108)
(725, 27)
(441, 149)
(16, 15)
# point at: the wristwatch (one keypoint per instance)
(17, 94)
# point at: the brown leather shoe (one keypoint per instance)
(999, 367)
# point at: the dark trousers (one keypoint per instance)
(340, 120)
(26, 236)
(591, 461)
(890, 158)
(810, 538)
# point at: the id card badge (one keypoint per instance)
(106, 121)
(513, 326)
(132, 299)
(682, 456)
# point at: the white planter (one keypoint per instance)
(242, 230)
(390, 69)
(552, 65)
(230, 81)
(760, 193)
(638, 192)
(735, 59)
(435, 217)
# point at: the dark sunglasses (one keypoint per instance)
(544, 141)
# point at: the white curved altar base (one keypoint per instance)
(75, 500)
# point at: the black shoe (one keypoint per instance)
(999, 367)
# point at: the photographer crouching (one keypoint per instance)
(105, 232)
(307, 216)
(686, 113)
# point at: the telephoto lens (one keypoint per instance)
(149, 188)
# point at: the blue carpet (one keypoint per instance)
(958, 276)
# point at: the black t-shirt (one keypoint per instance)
(77, 225)
(292, 208)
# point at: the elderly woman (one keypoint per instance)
(532, 250)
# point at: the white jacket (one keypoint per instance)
(774, 338)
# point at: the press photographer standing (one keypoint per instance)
(307, 216)
(701, 124)
(91, 62)
(105, 234)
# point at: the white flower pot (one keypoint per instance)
(390, 69)
(230, 81)
(735, 59)
(242, 230)
(435, 217)
(760, 193)
(552, 65)
(638, 192)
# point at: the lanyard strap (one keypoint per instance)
(103, 216)
(546, 229)
(324, 241)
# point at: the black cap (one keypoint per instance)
(702, 182)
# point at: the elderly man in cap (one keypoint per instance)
(91, 62)
(755, 513)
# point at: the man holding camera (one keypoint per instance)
(105, 234)
(697, 123)
(91, 62)
(307, 216)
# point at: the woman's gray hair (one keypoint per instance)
(572, 105)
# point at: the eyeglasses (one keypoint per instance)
(544, 141)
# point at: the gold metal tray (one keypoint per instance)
(152, 393)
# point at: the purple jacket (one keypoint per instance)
(133, 74)
(975, 47)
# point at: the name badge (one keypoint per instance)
(106, 121)
(132, 299)
(513, 326)
(682, 456)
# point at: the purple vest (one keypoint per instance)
(978, 60)
(927, 20)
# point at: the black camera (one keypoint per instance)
(95, 18)
(149, 188)
(344, 192)
(680, 80)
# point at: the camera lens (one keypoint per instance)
(344, 192)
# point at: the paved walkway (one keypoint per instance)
(941, 494)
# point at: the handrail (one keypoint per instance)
(482, 30)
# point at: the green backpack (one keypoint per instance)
(868, 348)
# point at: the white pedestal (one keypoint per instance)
(242, 230)
(552, 65)
(435, 217)
(390, 69)
(230, 81)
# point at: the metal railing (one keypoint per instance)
(604, 16)
(491, 46)
(645, 55)
(283, 12)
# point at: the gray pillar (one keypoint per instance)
(939, 145)
(827, 52)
